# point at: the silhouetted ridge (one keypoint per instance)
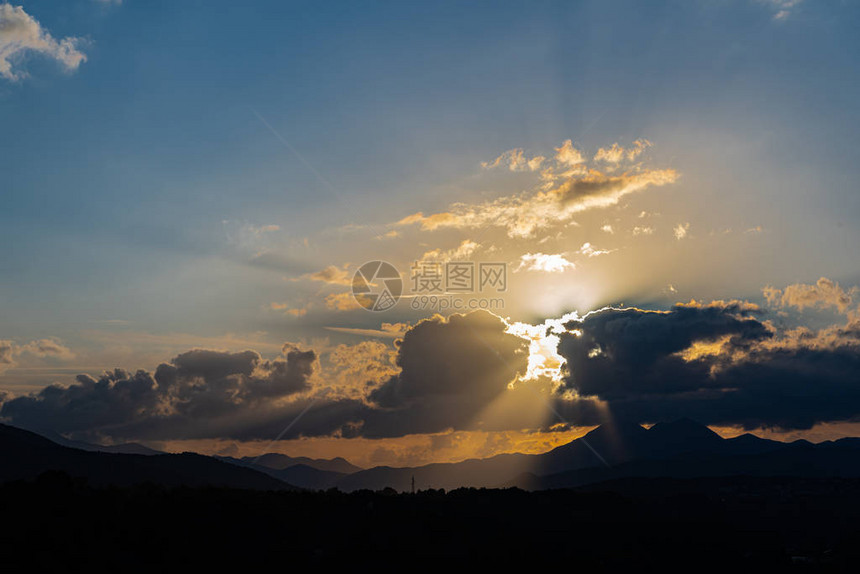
(124, 448)
(278, 461)
(25, 455)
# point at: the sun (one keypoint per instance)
(544, 360)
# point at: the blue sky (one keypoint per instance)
(185, 181)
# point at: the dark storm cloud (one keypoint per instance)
(633, 360)
(451, 370)
(210, 383)
(196, 386)
(720, 364)
(114, 399)
(627, 351)
(468, 357)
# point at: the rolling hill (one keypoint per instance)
(25, 455)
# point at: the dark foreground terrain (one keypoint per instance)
(56, 523)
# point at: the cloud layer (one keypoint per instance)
(722, 363)
(195, 388)
(719, 364)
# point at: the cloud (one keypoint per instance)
(7, 352)
(389, 235)
(48, 348)
(41, 348)
(333, 275)
(289, 310)
(568, 155)
(451, 370)
(21, 34)
(515, 160)
(718, 363)
(117, 397)
(643, 230)
(825, 293)
(191, 391)
(590, 250)
(202, 379)
(607, 229)
(548, 263)
(442, 375)
(615, 154)
(681, 230)
(355, 370)
(523, 215)
(624, 351)
(783, 8)
(721, 363)
(462, 252)
(342, 302)
(550, 203)
(387, 330)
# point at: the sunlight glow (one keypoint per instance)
(544, 360)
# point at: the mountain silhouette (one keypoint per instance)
(279, 461)
(606, 445)
(25, 455)
(794, 460)
(301, 475)
(681, 448)
(124, 448)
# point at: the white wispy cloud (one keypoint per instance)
(783, 8)
(681, 230)
(515, 160)
(590, 250)
(387, 330)
(546, 262)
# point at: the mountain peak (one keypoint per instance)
(683, 427)
(616, 430)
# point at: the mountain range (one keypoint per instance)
(678, 449)
(308, 473)
(25, 455)
(682, 449)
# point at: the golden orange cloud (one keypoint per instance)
(523, 214)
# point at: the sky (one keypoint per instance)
(188, 188)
